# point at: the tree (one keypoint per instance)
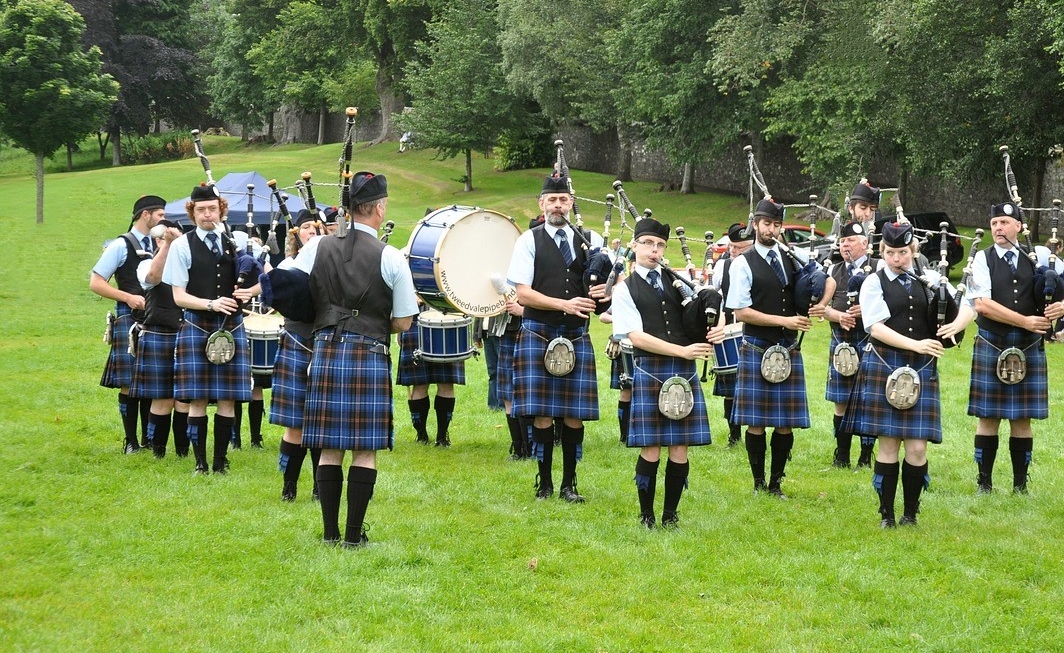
(460, 102)
(54, 90)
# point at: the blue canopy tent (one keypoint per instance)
(234, 188)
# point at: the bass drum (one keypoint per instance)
(455, 252)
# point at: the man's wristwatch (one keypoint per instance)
(210, 305)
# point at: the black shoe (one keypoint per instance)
(159, 452)
(544, 491)
(314, 493)
(443, 442)
(569, 494)
(839, 462)
(887, 522)
(181, 453)
(777, 492)
(734, 441)
(288, 492)
(330, 542)
(256, 443)
(906, 520)
(201, 469)
(1019, 489)
(670, 520)
(131, 448)
(984, 484)
(423, 439)
(362, 541)
(220, 466)
(145, 443)
(647, 521)
(759, 485)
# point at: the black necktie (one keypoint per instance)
(776, 267)
(1010, 258)
(563, 246)
(654, 278)
(147, 244)
(213, 242)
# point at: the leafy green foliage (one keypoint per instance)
(156, 148)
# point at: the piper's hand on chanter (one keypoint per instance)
(931, 347)
(1037, 323)
(226, 305)
(1054, 311)
(715, 335)
(244, 294)
(579, 306)
(598, 292)
(817, 310)
(697, 350)
(135, 302)
(797, 323)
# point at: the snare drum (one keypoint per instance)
(264, 337)
(726, 353)
(455, 252)
(627, 363)
(443, 338)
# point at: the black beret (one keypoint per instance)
(853, 228)
(555, 184)
(148, 203)
(204, 193)
(865, 192)
(329, 214)
(737, 233)
(768, 208)
(652, 227)
(1005, 209)
(897, 234)
(367, 187)
(304, 215)
(168, 224)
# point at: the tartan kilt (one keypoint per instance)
(195, 377)
(537, 392)
(649, 428)
(989, 397)
(616, 367)
(349, 394)
(839, 387)
(868, 411)
(424, 372)
(118, 370)
(504, 369)
(290, 380)
(760, 403)
(153, 369)
(724, 384)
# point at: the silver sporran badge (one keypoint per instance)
(560, 358)
(903, 388)
(675, 399)
(776, 364)
(1011, 366)
(845, 359)
(220, 347)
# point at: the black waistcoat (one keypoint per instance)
(160, 311)
(126, 274)
(769, 296)
(908, 310)
(552, 278)
(839, 301)
(725, 284)
(1013, 291)
(662, 314)
(348, 290)
(208, 277)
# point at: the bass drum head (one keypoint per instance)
(454, 253)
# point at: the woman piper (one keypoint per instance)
(898, 395)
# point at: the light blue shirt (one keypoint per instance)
(179, 260)
(114, 255)
(979, 284)
(741, 278)
(874, 308)
(523, 263)
(395, 271)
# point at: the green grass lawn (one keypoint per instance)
(105, 552)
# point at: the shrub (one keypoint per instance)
(155, 148)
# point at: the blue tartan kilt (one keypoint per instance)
(869, 412)
(839, 387)
(118, 370)
(290, 380)
(195, 377)
(649, 428)
(153, 368)
(989, 397)
(349, 394)
(616, 367)
(537, 392)
(412, 372)
(760, 403)
(504, 370)
(724, 384)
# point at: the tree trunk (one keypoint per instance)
(468, 170)
(1039, 184)
(391, 103)
(322, 112)
(624, 161)
(40, 187)
(687, 186)
(269, 129)
(103, 139)
(70, 157)
(116, 148)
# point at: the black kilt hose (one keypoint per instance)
(839, 387)
(504, 370)
(869, 412)
(197, 378)
(118, 370)
(423, 372)
(153, 369)
(760, 403)
(290, 380)
(537, 392)
(349, 397)
(649, 428)
(989, 397)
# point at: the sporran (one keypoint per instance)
(109, 328)
(903, 388)
(1011, 366)
(675, 399)
(776, 364)
(134, 339)
(221, 347)
(845, 359)
(613, 348)
(560, 358)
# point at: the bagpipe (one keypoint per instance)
(599, 266)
